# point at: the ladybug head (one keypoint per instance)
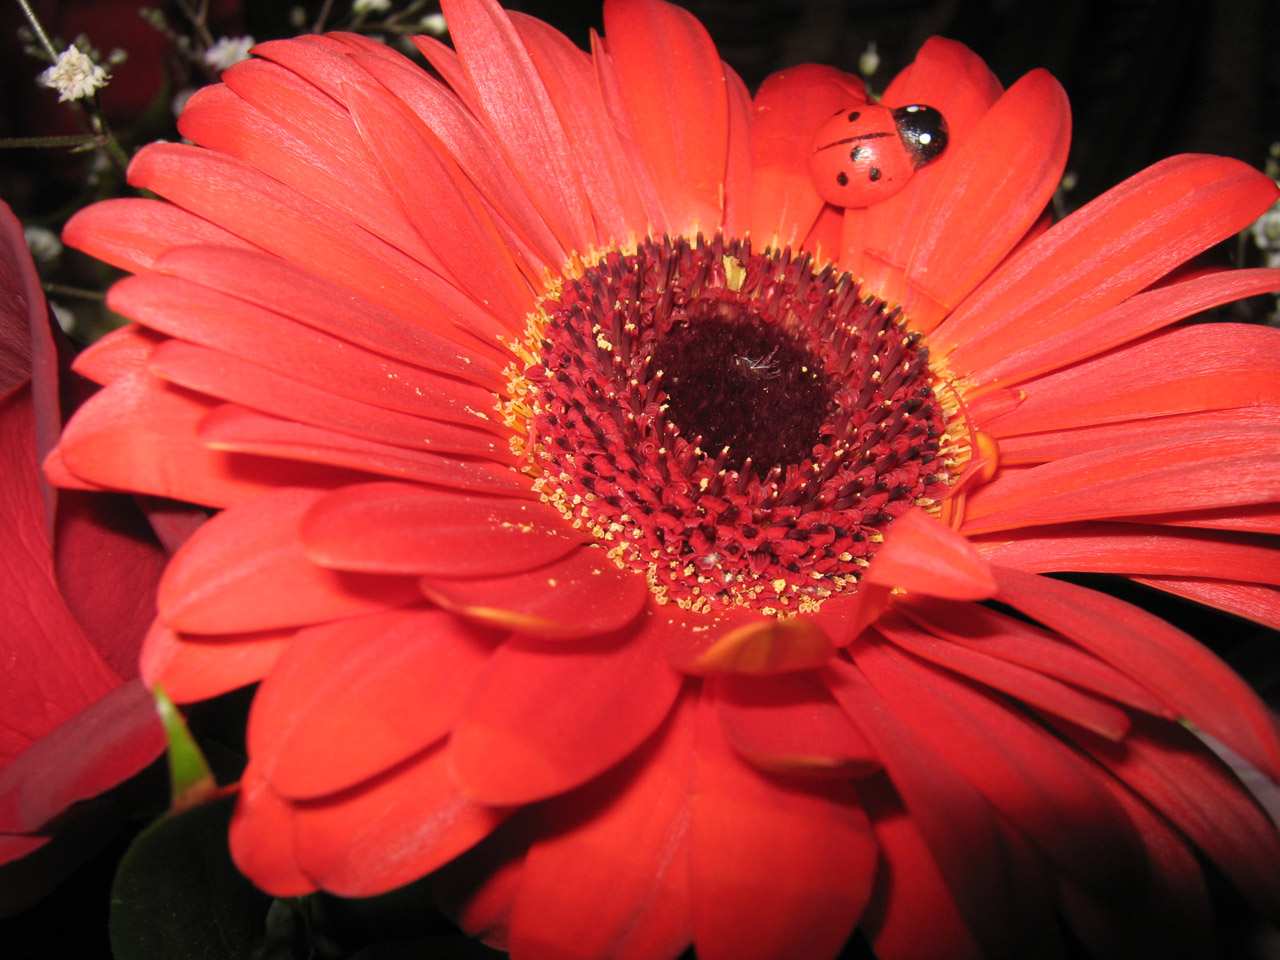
(923, 132)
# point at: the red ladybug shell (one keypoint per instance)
(867, 153)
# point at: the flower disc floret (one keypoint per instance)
(738, 426)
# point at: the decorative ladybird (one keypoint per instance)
(867, 153)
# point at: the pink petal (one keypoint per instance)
(347, 700)
(407, 528)
(547, 717)
(777, 867)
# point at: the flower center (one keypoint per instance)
(737, 426)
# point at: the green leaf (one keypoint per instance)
(178, 896)
(190, 778)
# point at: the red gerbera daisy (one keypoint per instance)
(590, 486)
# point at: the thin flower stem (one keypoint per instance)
(35, 25)
(73, 140)
(79, 293)
(324, 15)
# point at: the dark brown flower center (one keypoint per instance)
(735, 425)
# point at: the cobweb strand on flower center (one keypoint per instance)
(737, 426)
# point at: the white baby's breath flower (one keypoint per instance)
(434, 24)
(228, 50)
(74, 75)
(365, 7)
(44, 245)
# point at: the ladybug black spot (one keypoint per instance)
(874, 174)
(854, 116)
(842, 178)
(855, 153)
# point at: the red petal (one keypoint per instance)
(122, 351)
(196, 314)
(1176, 668)
(1131, 548)
(262, 839)
(610, 877)
(579, 595)
(1028, 685)
(103, 745)
(762, 646)
(737, 174)
(231, 378)
(777, 867)
(51, 668)
(283, 289)
(348, 700)
(790, 724)
(131, 233)
(408, 528)
(245, 570)
(1139, 315)
(300, 230)
(473, 147)
(392, 830)
(1171, 771)
(921, 555)
(953, 79)
(1147, 225)
(1026, 773)
(1258, 603)
(201, 667)
(545, 718)
(963, 833)
(570, 78)
(1201, 471)
(139, 434)
(514, 104)
(981, 209)
(912, 915)
(789, 106)
(286, 128)
(669, 75)
(996, 635)
(1202, 367)
(1174, 916)
(239, 430)
(442, 204)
